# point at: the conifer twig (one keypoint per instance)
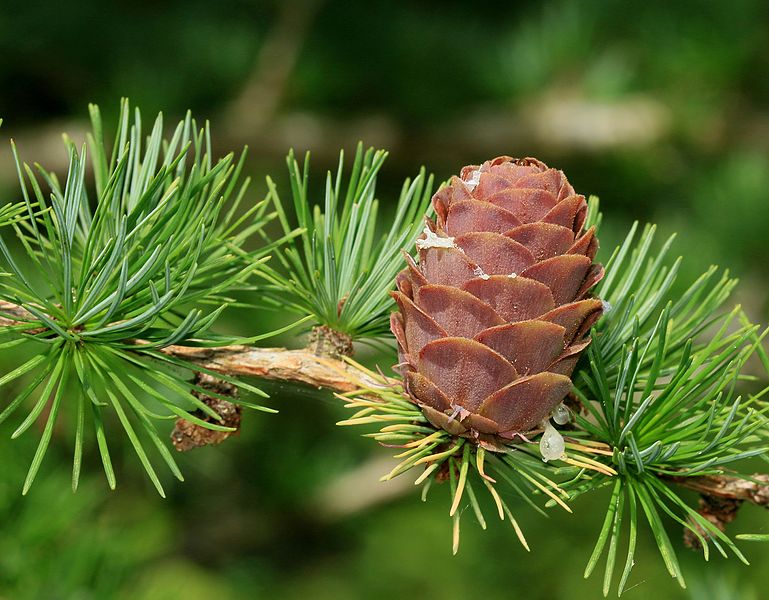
(304, 366)
(12, 314)
(754, 489)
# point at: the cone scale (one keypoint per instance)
(496, 312)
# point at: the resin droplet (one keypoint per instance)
(435, 241)
(561, 415)
(475, 179)
(551, 444)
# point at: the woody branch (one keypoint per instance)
(306, 367)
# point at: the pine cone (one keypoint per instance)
(496, 314)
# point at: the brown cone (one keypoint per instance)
(496, 313)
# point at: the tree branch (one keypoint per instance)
(720, 499)
(12, 315)
(260, 97)
(301, 366)
(305, 366)
(728, 487)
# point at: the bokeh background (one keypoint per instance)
(660, 108)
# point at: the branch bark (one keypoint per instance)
(728, 487)
(299, 366)
(12, 314)
(720, 499)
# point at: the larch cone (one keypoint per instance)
(494, 316)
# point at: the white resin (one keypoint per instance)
(475, 179)
(478, 272)
(433, 240)
(551, 444)
(561, 415)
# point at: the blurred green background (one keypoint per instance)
(660, 108)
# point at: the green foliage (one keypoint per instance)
(341, 269)
(60, 545)
(661, 389)
(10, 213)
(161, 241)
